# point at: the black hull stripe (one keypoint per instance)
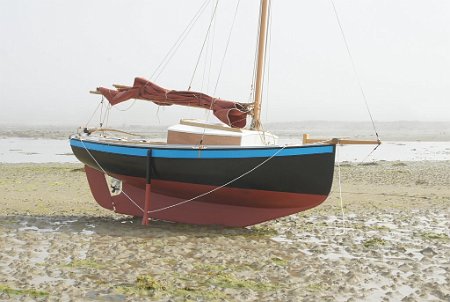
(306, 174)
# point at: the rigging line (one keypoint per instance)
(108, 111)
(90, 154)
(204, 42)
(95, 111)
(205, 65)
(206, 58)
(173, 54)
(157, 115)
(211, 57)
(204, 68)
(101, 113)
(105, 118)
(208, 112)
(376, 147)
(173, 49)
(227, 45)
(188, 200)
(354, 66)
(128, 108)
(106, 173)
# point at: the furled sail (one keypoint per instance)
(233, 114)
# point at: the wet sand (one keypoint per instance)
(56, 244)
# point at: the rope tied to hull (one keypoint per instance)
(340, 192)
(97, 163)
(220, 187)
(187, 200)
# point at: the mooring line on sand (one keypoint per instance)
(340, 190)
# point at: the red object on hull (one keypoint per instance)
(148, 197)
(226, 206)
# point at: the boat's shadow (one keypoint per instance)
(110, 226)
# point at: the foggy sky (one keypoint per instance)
(53, 52)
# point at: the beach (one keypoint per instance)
(229, 113)
(387, 239)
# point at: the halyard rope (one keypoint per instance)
(93, 113)
(178, 42)
(227, 45)
(191, 199)
(204, 43)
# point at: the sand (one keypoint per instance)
(56, 244)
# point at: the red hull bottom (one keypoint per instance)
(226, 206)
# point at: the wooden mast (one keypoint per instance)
(263, 24)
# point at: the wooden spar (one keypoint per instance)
(338, 141)
(256, 122)
(120, 86)
(117, 86)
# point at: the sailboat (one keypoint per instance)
(206, 173)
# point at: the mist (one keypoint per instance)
(54, 52)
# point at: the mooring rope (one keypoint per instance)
(187, 200)
(220, 187)
(340, 190)
(106, 173)
(90, 154)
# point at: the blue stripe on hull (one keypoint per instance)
(203, 153)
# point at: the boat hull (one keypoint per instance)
(229, 186)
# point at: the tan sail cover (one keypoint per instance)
(231, 113)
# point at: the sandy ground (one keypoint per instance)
(56, 244)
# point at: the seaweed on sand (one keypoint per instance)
(9, 291)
